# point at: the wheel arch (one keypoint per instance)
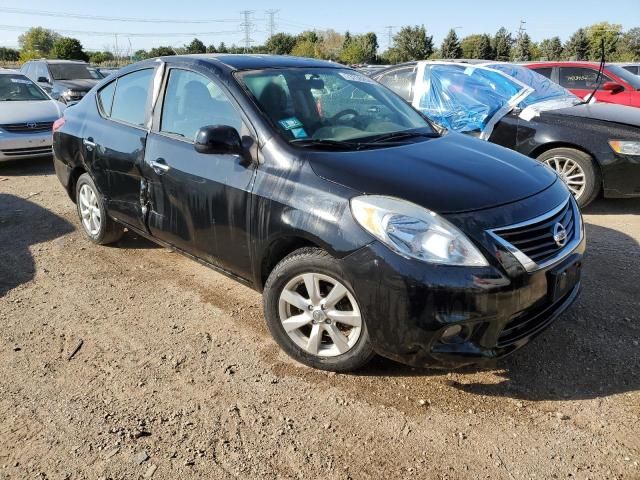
(73, 180)
(552, 145)
(276, 251)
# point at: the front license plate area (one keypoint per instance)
(562, 280)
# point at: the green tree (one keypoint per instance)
(308, 35)
(629, 47)
(37, 42)
(68, 48)
(551, 48)
(521, 51)
(212, 49)
(484, 50)
(161, 52)
(469, 44)
(196, 46)
(280, 44)
(502, 43)
(411, 43)
(577, 47)
(222, 48)
(608, 32)
(329, 46)
(101, 57)
(9, 55)
(140, 55)
(304, 48)
(451, 46)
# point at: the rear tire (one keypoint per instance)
(96, 223)
(577, 169)
(323, 328)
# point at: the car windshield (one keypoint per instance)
(465, 98)
(71, 71)
(331, 105)
(20, 89)
(544, 88)
(631, 78)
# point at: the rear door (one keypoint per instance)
(114, 143)
(199, 202)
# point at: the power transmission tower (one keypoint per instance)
(247, 25)
(272, 21)
(522, 29)
(389, 35)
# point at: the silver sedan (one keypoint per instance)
(27, 114)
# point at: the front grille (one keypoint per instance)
(31, 127)
(535, 239)
(19, 152)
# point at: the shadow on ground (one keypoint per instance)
(591, 351)
(22, 225)
(30, 167)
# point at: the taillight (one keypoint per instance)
(57, 125)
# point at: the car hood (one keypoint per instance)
(82, 85)
(450, 174)
(31, 111)
(607, 112)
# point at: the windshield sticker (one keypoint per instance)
(356, 77)
(299, 133)
(290, 123)
(20, 80)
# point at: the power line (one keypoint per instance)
(15, 28)
(46, 13)
(247, 25)
(272, 22)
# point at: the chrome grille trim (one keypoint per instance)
(529, 264)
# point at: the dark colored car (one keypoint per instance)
(367, 233)
(592, 147)
(618, 85)
(65, 80)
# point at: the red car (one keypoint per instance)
(618, 85)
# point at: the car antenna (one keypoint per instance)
(600, 72)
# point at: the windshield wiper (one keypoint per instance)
(403, 135)
(323, 142)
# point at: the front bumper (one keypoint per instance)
(16, 146)
(621, 175)
(408, 305)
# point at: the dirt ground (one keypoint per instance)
(178, 378)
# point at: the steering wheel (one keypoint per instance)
(344, 113)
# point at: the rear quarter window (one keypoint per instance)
(130, 98)
(105, 98)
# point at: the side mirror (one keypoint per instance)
(218, 139)
(43, 80)
(612, 87)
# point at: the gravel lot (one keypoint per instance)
(177, 376)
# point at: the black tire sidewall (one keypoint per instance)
(312, 261)
(586, 162)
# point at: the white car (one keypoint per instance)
(27, 114)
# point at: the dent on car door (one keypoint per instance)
(198, 202)
(114, 142)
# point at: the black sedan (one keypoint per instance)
(592, 147)
(366, 232)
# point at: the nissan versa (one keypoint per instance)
(367, 232)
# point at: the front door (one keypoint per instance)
(198, 202)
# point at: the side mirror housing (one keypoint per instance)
(218, 139)
(612, 87)
(43, 80)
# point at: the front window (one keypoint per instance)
(626, 75)
(19, 88)
(71, 71)
(544, 88)
(331, 105)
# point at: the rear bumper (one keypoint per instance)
(16, 146)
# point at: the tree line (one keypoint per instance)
(409, 43)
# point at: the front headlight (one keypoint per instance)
(625, 147)
(415, 232)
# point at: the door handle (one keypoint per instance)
(89, 143)
(160, 166)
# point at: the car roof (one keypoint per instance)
(257, 62)
(46, 60)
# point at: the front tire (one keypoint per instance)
(96, 224)
(313, 314)
(578, 171)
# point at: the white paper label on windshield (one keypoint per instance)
(21, 80)
(356, 77)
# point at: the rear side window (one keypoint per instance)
(580, 78)
(193, 101)
(130, 98)
(546, 71)
(105, 98)
(400, 81)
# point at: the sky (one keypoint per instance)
(174, 23)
